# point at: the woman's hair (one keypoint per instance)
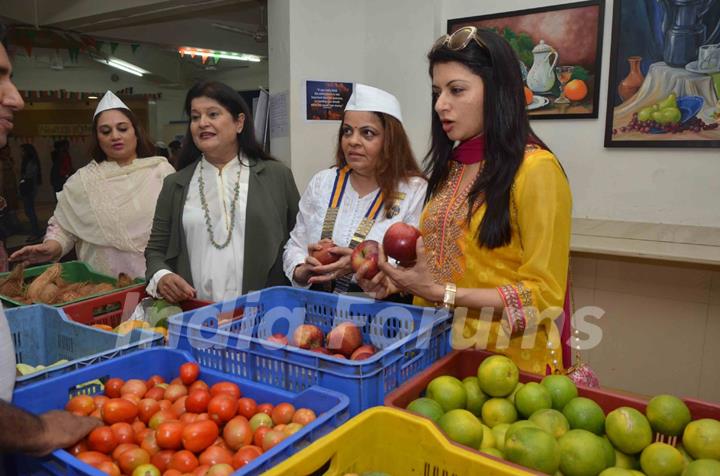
(145, 147)
(506, 129)
(396, 163)
(235, 105)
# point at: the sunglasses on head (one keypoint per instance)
(459, 39)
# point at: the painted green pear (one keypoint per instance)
(670, 101)
(645, 114)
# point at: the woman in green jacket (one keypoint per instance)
(222, 220)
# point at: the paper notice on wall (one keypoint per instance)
(279, 115)
(325, 100)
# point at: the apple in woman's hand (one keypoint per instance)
(400, 241)
(324, 255)
(366, 252)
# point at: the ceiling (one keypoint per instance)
(160, 26)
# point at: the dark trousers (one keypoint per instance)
(29, 203)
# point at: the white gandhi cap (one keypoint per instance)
(109, 101)
(368, 98)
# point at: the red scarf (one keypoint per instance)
(471, 151)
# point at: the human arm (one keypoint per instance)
(40, 435)
(58, 242)
(298, 264)
(544, 215)
(162, 281)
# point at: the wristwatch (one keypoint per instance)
(449, 296)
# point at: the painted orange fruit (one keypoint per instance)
(528, 96)
(576, 90)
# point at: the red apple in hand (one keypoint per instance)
(307, 336)
(400, 241)
(344, 339)
(366, 252)
(324, 255)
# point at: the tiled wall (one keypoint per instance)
(661, 327)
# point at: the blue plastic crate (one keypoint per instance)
(43, 335)
(330, 407)
(409, 339)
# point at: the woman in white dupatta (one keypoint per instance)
(105, 209)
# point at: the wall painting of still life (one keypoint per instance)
(559, 48)
(664, 88)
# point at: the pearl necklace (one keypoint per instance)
(206, 210)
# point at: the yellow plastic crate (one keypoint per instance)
(394, 442)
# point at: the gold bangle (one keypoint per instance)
(449, 296)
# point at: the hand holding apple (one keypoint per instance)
(321, 251)
(367, 254)
(328, 272)
(379, 287)
(417, 280)
(319, 254)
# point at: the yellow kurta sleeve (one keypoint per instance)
(541, 204)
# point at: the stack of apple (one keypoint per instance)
(153, 428)
(344, 341)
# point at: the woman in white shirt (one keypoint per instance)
(375, 183)
(222, 220)
(105, 209)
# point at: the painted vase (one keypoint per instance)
(632, 82)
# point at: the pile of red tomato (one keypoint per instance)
(185, 427)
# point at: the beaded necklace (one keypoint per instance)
(206, 210)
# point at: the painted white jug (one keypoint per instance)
(541, 77)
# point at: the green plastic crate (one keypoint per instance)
(72, 272)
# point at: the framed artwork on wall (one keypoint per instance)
(560, 53)
(664, 85)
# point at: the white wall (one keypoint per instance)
(348, 42)
(677, 186)
(385, 43)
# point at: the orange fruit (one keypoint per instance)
(576, 90)
(463, 427)
(528, 95)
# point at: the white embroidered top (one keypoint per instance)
(105, 211)
(314, 204)
(217, 273)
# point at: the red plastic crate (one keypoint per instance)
(112, 309)
(464, 363)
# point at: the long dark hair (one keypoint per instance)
(235, 105)
(396, 164)
(507, 132)
(144, 148)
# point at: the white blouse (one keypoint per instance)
(217, 273)
(314, 204)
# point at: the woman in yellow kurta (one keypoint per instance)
(496, 227)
